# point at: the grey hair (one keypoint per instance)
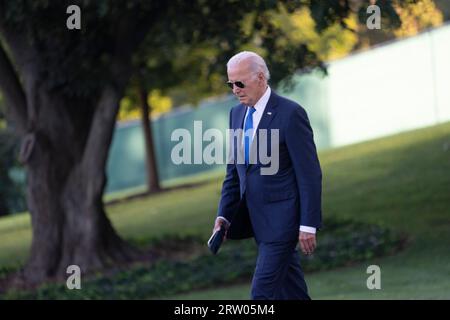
(257, 63)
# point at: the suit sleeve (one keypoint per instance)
(303, 154)
(230, 195)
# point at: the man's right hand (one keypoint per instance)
(221, 222)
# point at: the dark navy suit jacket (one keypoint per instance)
(272, 207)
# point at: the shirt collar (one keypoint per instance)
(262, 102)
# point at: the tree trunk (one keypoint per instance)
(66, 180)
(66, 127)
(150, 159)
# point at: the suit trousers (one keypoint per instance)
(278, 275)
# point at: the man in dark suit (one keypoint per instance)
(281, 209)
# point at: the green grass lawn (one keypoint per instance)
(402, 182)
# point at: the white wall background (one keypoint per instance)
(395, 87)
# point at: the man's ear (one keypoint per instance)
(261, 76)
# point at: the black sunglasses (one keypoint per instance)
(238, 84)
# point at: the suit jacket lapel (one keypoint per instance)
(269, 113)
(239, 117)
(238, 123)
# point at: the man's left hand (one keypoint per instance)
(307, 242)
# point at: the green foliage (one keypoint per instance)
(177, 44)
(342, 243)
(390, 18)
(7, 270)
(418, 16)
(400, 18)
(288, 40)
(76, 63)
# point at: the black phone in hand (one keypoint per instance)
(216, 240)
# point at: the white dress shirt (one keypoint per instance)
(260, 106)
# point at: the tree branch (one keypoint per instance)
(100, 136)
(13, 93)
(130, 34)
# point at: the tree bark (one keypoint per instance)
(150, 159)
(66, 140)
(64, 193)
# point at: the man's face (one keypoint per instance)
(255, 85)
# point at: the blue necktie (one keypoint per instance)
(248, 132)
